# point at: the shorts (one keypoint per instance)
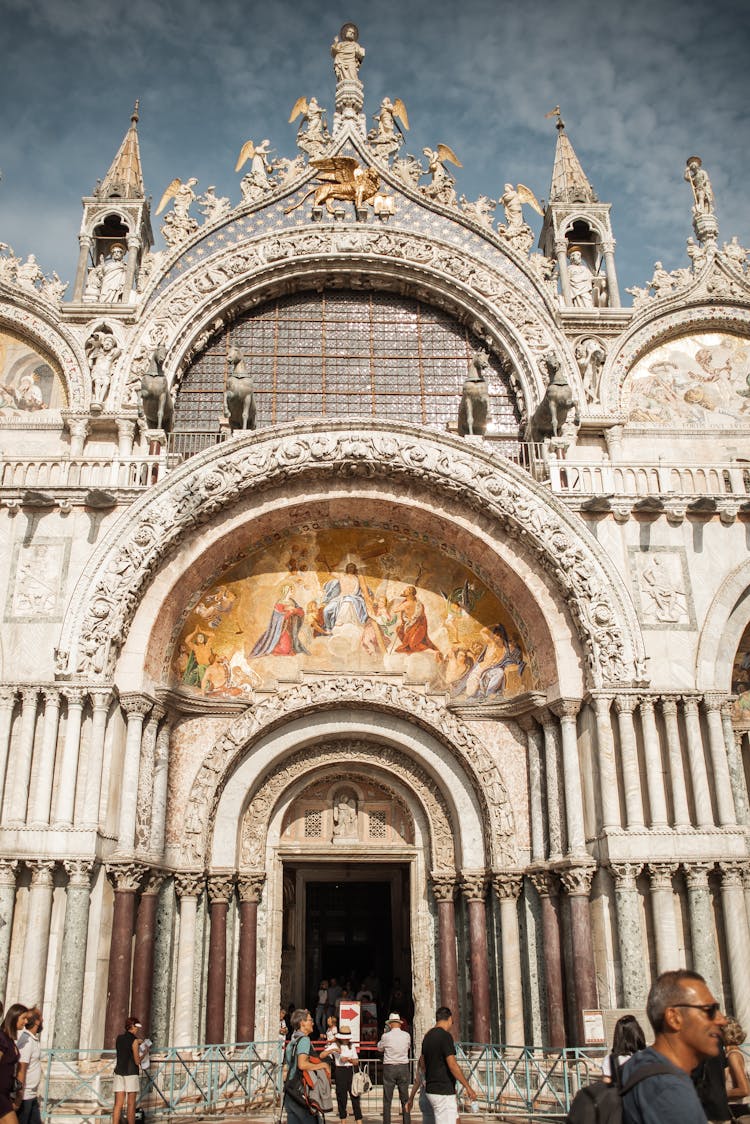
(128, 1084)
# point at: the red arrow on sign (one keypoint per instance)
(347, 1013)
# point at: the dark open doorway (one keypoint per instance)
(349, 932)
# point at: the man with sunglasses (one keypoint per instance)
(687, 1026)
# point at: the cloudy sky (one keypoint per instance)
(642, 84)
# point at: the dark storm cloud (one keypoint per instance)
(641, 85)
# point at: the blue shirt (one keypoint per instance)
(666, 1098)
(296, 1047)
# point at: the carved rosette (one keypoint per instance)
(126, 877)
(696, 875)
(625, 875)
(100, 615)
(545, 882)
(221, 887)
(661, 875)
(474, 885)
(189, 883)
(250, 885)
(507, 884)
(443, 886)
(577, 880)
(79, 873)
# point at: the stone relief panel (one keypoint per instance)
(28, 382)
(741, 680)
(349, 600)
(334, 812)
(38, 574)
(662, 587)
(699, 380)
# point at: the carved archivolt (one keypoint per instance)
(364, 694)
(24, 318)
(104, 601)
(349, 755)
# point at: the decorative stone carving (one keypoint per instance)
(625, 874)
(79, 872)
(189, 883)
(441, 187)
(545, 882)
(590, 355)
(28, 273)
(481, 211)
(735, 254)
(260, 808)
(733, 874)
(42, 871)
(473, 410)
(344, 816)
(221, 887)
(507, 884)
(387, 136)
(179, 224)
(443, 886)
(126, 877)
(250, 885)
(552, 412)
(136, 704)
(312, 134)
(213, 206)
(474, 885)
(102, 609)
(661, 875)
(153, 882)
(696, 874)
(102, 352)
(577, 880)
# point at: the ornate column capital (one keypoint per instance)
(42, 871)
(221, 886)
(74, 696)
(189, 883)
(733, 874)
(669, 706)
(157, 713)
(545, 717)
(51, 696)
(474, 885)
(696, 875)
(690, 704)
(443, 885)
(715, 700)
(646, 705)
(625, 874)
(8, 697)
(625, 704)
(29, 695)
(545, 882)
(565, 708)
(8, 869)
(527, 722)
(136, 704)
(100, 697)
(661, 874)
(79, 872)
(126, 877)
(153, 882)
(602, 701)
(577, 880)
(250, 885)
(507, 884)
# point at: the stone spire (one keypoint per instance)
(124, 180)
(569, 181)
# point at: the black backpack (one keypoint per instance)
(600, 1103)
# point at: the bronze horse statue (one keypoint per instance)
(239, 402)
(552, 412)
(474, 407)
(155, 400)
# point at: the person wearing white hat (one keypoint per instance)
(344, 1052)
(395, 1045)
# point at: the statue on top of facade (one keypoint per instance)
(213, 206)
(343, 178)
(312, 134)
(481, 210)
(512, 200)
(697, 176)
(179, 224)
(113, 276)
(581, 281)
(552, 412)
(388, 136)
(441, 187)
(29, 274)
(102, 353)
(473, 410)
(347, 54)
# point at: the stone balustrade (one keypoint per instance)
(20, 473)
(574, 478)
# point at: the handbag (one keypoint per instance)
(310, 1088)
(361, 1083)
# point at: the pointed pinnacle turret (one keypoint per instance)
(124, 180)
(569, 181)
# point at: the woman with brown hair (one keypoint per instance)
(10, 1097)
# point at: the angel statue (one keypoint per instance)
(442, 186)
(512, 200)
(388, 136)
(255, 183)
(315, 138)
(342, 177)
(179, 224)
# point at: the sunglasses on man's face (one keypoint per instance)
(710, 1010)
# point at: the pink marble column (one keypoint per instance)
(546, 885)
(577, 882)
(143, 954)
(126, 879)
(220, 891)
(444, 888)
(250, 886)
(474, 889)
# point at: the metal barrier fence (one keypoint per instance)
(522, 1084)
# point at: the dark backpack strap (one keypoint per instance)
(645, 1071)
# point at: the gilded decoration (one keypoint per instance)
(28, 384)
(741, 679)
(698, 381)
(349, 600)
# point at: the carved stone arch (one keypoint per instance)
(383, 765)
(358, 706)
(33, 319)
(507, 308)
(659, 327)
(98, 214)
(101, 609)
(726, 620)
(591, 221)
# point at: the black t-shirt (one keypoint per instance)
(710, 1085)
(437, 1047)
(126, 1065)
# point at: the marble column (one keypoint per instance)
(697, 763)
(566, 710)
(551, 772)
(85, 242)
(737, 935)
(561, 253)
(613, 289)
(630, 934)
(577, 883)
(610, 803)
(189, 886)
(654, 775)
(36, 943)
(101, 699)
(7, 706)
(145, 801)
(662, 905)
(125, 437)
(66, 781)
(736, 770)
(676, 767)
(73, 955)
(21, 760)
(160, 780)
(41, 797)
(220, 891)
(536, 807)
(126, 879)
(508, 885)
(702, 927)
(145, 942)
(547, 887)
(136, 708)
(474, 889)
(625, 705)
(250, 887)
(713, 703)
(444, 888)
(8, 868)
